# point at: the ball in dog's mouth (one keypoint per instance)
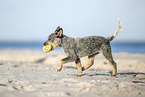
(47, 48)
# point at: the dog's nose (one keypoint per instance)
(44, 43)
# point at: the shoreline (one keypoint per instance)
(120, 46)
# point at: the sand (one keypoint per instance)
(27, 73)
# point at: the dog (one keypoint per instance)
(75, 48)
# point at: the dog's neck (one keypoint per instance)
(59, 41)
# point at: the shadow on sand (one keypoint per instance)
(131, 73)
(40, 60)
(110, 73)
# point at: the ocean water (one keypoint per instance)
(130, 47)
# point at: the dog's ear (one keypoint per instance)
(57, 29)
(60, 33)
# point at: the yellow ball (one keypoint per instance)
(47, 48)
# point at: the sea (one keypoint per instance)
(117, 47)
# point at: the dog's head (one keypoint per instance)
(53, 38)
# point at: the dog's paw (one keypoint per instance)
(79, 75)
(58, 70)
(113, 75)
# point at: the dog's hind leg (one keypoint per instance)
(106, 51)
(90, 62)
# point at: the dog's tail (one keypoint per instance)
(117, 31)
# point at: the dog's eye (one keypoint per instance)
(49, 39)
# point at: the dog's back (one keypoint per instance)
(89, 45)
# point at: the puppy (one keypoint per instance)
(75, 48)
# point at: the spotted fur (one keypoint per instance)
(75, 48)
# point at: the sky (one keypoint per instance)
(34, 20)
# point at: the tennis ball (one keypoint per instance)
(47, 48)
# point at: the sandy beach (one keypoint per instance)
(27, 73)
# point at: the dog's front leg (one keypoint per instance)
(78, 62)
(60, 65)
(66, 60)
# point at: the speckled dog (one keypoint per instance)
(75, 48)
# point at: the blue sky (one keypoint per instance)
(34, 20)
